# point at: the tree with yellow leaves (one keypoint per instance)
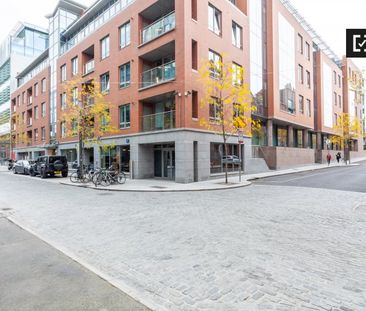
(85, 114)
(346, 130)
(228, 100)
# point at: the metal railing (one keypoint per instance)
(158, 75)
(158, 28)
(89, 67)
(158, 121)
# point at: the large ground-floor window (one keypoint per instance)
(107, 156)
(218, 160)
(70, 154)
(125, 158)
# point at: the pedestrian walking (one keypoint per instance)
(329, 157)
(338, 157)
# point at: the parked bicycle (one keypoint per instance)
(108, 177)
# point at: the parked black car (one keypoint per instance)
(50, 165)
(11, 164)
(22, 167)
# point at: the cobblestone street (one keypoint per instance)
(256, 248)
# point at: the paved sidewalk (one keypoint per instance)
(156, 185)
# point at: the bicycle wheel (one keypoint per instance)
(74, 178)
(105, 180)
(121, 178)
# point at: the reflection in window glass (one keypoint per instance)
(327, 96)
(287, 70)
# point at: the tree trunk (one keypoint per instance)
(225, 155)
(81, 154)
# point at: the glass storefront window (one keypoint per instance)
(281, 137)
(217, 157)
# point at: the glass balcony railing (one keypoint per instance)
(158, 121)
(89, 67)
(158, 75)
(158, 28)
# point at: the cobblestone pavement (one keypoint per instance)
(254, 248)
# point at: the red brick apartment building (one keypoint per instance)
(146, 55)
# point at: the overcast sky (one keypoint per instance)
(330, 18)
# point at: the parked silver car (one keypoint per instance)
(22, 167)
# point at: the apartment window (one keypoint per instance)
(74, 95)
(18, 100)
(43, 133)
(194, 55)
(35, 134)
(335, 119)
(307, 50)
(36, 89)
(356, 114)
(215, 110)
(301, 74)
(43, 110)
(63, 101)
(214, 19)
(335, 98)
(339, 81)
(237, 35)
(43, 85)
(124, 116)
(63, 73)
(75, 66)
(340, 101)
(104, 47)
(308, 104)
(36, 113)
(74, 127)
(334, 77)
(104, 83)
(63, 129)
(215, 64)
(194, 9)
(300, 43)
(237, 74)
(23, 98)
(301, 104)
(125, 75)
(125, 35)
(308, 79)
(194, 105)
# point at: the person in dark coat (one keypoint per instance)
(329, 157)
(338, 157)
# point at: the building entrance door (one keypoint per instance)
(164, 162)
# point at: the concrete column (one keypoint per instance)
(270, 133)
(204, 160)
(96, 155)
(319, 141)
(290, 136)
(306, 138)
(184, 161)
(142, 158)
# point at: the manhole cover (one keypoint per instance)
(6, 209)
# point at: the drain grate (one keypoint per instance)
(6, 209)
(158, 187)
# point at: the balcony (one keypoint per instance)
(158, 121)
(158, 75)
(29, 122)
(89, 67)
(158, 28)
(30, 100)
